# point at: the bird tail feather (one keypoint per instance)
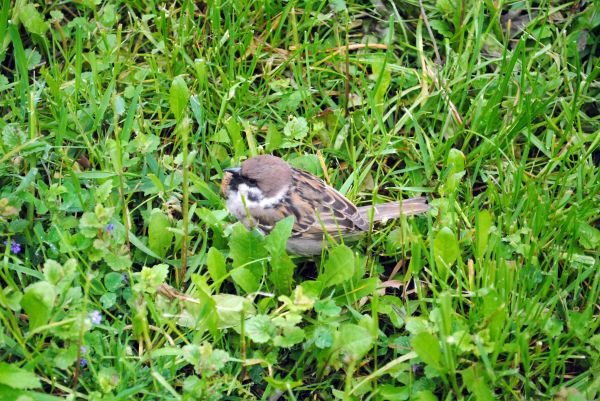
(393, 210)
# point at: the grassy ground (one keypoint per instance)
(489, 108)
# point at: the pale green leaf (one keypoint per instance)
(19, 378)
(32, 20)
(245, 279)
(38, 302)
(179, 96)
(428, 349)
(160, 237)
(245, 246)
(445, 248)
(484, 225)
(260, 329)
(216, 266)
(296, 128)
(339, 267)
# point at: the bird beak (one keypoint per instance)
(233, 170)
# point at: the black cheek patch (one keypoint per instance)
(237, 180)
(252, 197)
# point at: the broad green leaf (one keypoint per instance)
(32, 20)
(17, 225)
(428, 349)
(296, 128)
(353, 341)
(282, 267)
(206, 191)
(397, 239)
(390, 392)
(392, 306)
(282, 272)
(151, 277)
(113, 281)
(323, 337)
(191, 354)
(595, 342)
(53, 271)
(455, 165)
(179, 96)
(290, 337)
(589, 237)
(260, 329)
(453, 182)
(140, 245)
(10, 394)
(117, 262)
(298, 302)
(245, 246)
(11, 299)
(200, 65)
(231, 309)
(206, 360)
(66, 357)
(276, 241)
(216, 267)
(108, 300)
(417, 324)
(33, 58)
(424, 395)
(38, 302)
(365, 287)
(202, 316)
(273, 140)
(327, 307)
(441, 27)
(147, 144)
(235, 133)
(338, 5)
(484, 225)
(383, 78)
(283, 384)
(553, 327)
(13, 136)
(103, 191)
(108, 378)
(89, 225)
(339, 267)
(160, 237)
(445, 248)
(455, 162)
(477, 384)
(109, 16)
(16, 377)
(312, 288)
(119, 105)
(494, 311)
(245, 279)
(287, 320)
(308, 163)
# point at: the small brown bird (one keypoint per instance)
(266, 189)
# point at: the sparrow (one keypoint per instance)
(266, 189)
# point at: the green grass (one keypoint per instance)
(117, 119)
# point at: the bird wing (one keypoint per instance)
(318, 207)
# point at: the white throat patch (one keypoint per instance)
(253, 198)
